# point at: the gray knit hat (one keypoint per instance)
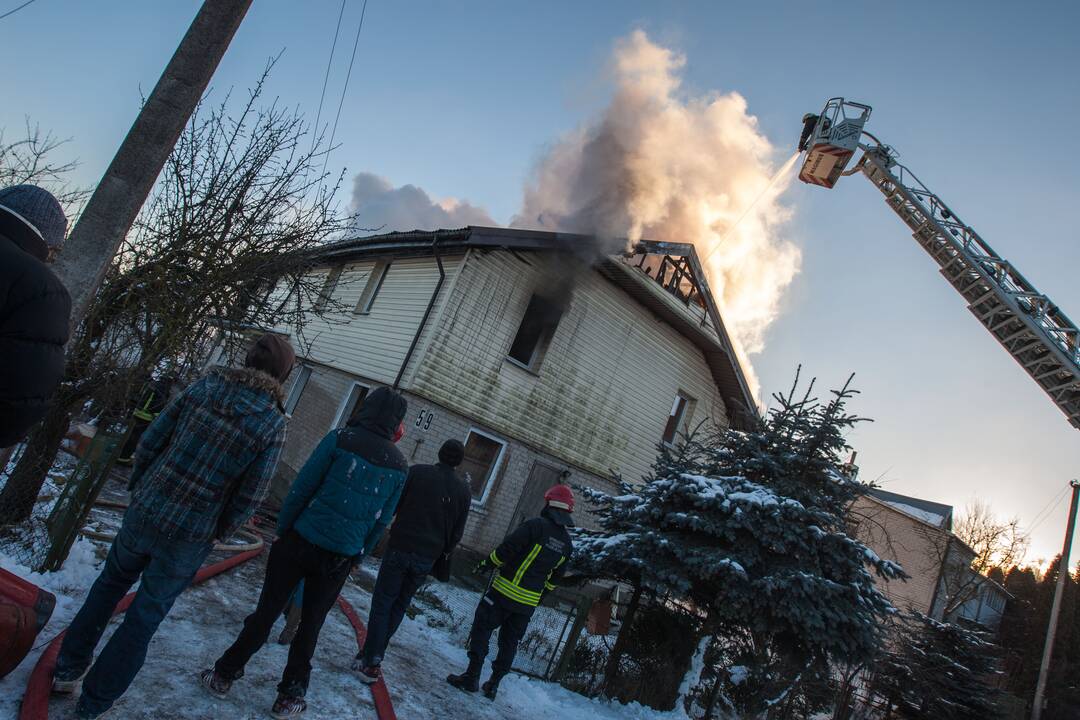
(40, 213)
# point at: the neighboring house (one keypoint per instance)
(918, 534)
(549, 359)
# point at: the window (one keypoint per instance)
(535, 332)
(371, 288)
(300, 379)
(328, 288)
(483, 454)
(677, 418)
(353, 400)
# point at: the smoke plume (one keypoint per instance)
(377, 205)
(660, 165)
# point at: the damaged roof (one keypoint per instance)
(714, 341)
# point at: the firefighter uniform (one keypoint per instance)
(530, 561)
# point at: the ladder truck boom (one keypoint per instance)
(1023, 320)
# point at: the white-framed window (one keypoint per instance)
(371, 287)
(483, 458)
(534, 334)
(676, 421)
(352, 401)
(296, 389)
(329, 285)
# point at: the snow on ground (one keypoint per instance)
(207, 617)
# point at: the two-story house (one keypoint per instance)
(552, 360)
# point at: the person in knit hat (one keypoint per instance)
(201, 468)
(429, 523)
(35, 308)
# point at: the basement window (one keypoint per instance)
(535, 332)
(352, 403)
(296, 389)
(372, 287)
(677, 418)
(483, 456)
(329, 285)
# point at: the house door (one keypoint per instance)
(532, 496)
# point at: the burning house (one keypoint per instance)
(548, 358)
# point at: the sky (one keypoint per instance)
(462, 99)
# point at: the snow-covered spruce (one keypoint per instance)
(750, 528)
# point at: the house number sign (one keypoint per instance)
(423, 420)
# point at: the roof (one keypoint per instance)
(716, 346)
(937, 514)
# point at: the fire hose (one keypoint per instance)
(384, 708)
(35, 705)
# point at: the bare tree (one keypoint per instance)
(223, 246)
(996, 542)
(31, 158)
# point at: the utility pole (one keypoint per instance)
(1059, 590)
(123, 189)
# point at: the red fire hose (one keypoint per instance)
(383, 707)
(35, 705)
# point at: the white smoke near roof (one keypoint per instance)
(377, 205)
(660, 165)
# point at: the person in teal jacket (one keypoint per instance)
(337, 509)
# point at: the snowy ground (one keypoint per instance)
(206, 617)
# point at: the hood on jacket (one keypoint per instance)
(243, 391)
(381, 412)
(557, 516)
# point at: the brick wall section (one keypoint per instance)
(321, 401)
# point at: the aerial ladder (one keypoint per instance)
(1023, 320)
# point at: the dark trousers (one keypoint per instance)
(292, 559)
(512, 620)
(167, 566)
(400, 576)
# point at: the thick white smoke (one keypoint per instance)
(377, 205)
(660, 165)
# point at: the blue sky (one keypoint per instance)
(461, 98)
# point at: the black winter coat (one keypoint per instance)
(432, 512)
(35, 312)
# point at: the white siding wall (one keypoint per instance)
(602, 395)
(374, 345)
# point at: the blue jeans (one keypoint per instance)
(400, 576)
(167, 566)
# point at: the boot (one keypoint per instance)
(491, 687)
(469, 681)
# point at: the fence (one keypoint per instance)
(553, 632)
(42, 539)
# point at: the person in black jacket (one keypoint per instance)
(35, 308)
(530, 561)
(429, 524)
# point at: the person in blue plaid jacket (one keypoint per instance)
(201, 469)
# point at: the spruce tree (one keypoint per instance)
(750, 528)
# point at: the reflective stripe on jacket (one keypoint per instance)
(530, 559)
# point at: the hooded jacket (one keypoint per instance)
(346, 493)
(205, 464)
(35, 311)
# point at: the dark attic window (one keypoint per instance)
(535, 332)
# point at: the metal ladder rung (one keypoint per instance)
(1023, 329)
(1063, 386)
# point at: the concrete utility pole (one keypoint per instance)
(1059, 590)
(123, 189)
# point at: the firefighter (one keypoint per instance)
(154, 398)
(809, 121)
(530, 561)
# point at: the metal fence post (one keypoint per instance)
(73, 506)
(581, 615)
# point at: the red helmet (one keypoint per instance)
(561, 497)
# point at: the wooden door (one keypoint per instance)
(532, 495)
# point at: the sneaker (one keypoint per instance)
(215, 684)
(369, 674)
(68, 682)
(288, 707)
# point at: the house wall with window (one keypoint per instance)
(604, 389)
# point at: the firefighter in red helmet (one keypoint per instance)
(530, 561)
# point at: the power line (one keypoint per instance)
(1047, 511)
(12, 12)
(326, 79)
(341, 103)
